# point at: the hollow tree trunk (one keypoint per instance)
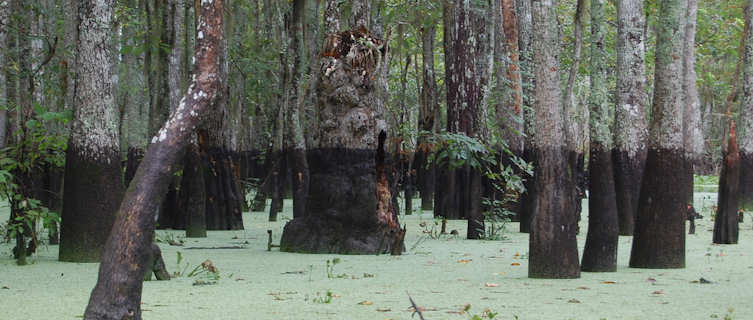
(600, 252)
(553, 249)
(93, 183)
(117, 294)
(630, 128)
(726, 220)
(659, 235)
(349, 204)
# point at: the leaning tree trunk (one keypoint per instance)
(468, 44)
(600, 252)
(659, 235)
(93, 183)
(630, 128)
(117, 294)
(553, 249)
(746, 116)
(525, 38)
(349, 204)
(726, 220)
(691, 117)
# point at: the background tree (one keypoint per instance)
(726, 219)
(117, 294)
(93, 184)
(553, 250)
(691, 117)
(659, 235)
(528, 79)
(746, 115)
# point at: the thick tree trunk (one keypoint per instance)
(630, 128)
(93, 184)
(726, 220)
(691, 117)
(468, 52)
(659, 235)
(600, 252)
(117, 294)
(193, 193)
(553, 249)
(349, 204)
(746, 116)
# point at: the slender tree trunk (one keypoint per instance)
(746, 137)
(630, 127)
(4, 15)
(525, 39)
(425, 171)
(134, 97)
(726, 220)
(659, 235)
(117, 294)
(600, 252)
(553, 249)
(691, 117)
(93, 184)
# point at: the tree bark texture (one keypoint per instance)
(349, 207)
(468, 57)
(726, 220)
(427, 119)
(600, 252)
(746, 137)
(193, 193)
(659, 235)
(117, 294)
(691, 117)
(630, 125)
(553, 249)
(528, 80)
(4, 15)
(93, 185)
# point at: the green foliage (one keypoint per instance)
(325, 298)
(206, 273)
(331, 269)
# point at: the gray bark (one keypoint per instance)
(692, 135)
(4, 14)
(746, 114)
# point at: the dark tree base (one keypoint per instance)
(746, 180)
(277, 184)
(193, 195)
(628, 173)
(92, 193)
(342, 213)
(659, 235)
(223, 198)
(727, 219)
(600, 252)
(299, 170)
(526, 199)
(553, 248)
(132, 163)
(424, 179)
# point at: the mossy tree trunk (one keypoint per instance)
(528, 79)
(630, 125)
(93, 184)
(659, 235)
(600, 252)
(117, 294)
(726, 220)
(746, 118)
(553, 249)
(468, 55)
(691, 117)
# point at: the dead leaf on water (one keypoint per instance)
(582, 288)
(608, 282)
(658, 292)
(464, 261)
(491, 285)
(573, 301)
(515, 264)
(366, 303)
(384, 310)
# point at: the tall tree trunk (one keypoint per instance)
(630, 127)
(93, 184)
(659, 235)
(4, 15)
(528, 79)
(553, 249)
(427, 119)
(349, 205)
(691, 117)
(746, 138)
(468, 52)
(726, 220)
(117, 294)
(600, 252)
